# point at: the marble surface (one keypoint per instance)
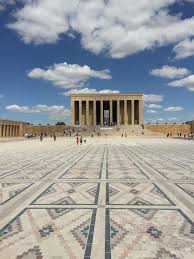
(107, 198)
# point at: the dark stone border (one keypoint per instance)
(179, 185)
(29, 185)
(88, 248)
(107, 235)
(85, 204)
(107, 197)
(107, 226)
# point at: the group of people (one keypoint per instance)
(189, 136)
(122, 135)
(52, 136)
(80, 140)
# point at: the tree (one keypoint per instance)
(60, 123)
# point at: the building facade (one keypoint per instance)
(10, 128)
(106, 109)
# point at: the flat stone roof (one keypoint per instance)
(115, 94)
(12, 121)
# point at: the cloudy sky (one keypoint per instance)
(49, 49)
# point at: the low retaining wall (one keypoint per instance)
(172, 129)
(49, 129)
(192, 126)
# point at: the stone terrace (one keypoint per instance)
(108, 198)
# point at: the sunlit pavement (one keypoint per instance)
(107, 198)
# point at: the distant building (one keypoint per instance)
(192, 125)
(9, 128)
(106, 109)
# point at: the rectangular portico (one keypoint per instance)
(106, 109)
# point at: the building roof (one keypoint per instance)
(12, 121)
(106, 94)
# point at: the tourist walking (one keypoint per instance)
(81, 140)
(77, 140)
(41, 137)
(54, 136)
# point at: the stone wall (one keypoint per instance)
(192, 126)
(9, 128)
(49, 129)
(173, 129)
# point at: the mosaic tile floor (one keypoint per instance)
(110, 198)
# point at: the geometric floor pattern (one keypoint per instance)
(107, 198)
(188, 188)
(136, 194)
(10, 190)
(145, 234)
(69, 193)
(35, 232)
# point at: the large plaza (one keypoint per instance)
(107, 198)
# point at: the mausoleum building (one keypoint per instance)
(106, 109)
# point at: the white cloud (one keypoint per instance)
(153, 98)
(187, 82)
(153, 106)
(68, 75)
(174, 109)
(54, 112)
(155, 120)
(170, 72)
(5, 3)
(139, 25)
(160, 119)
(151, 111)
(89, 91)
(172, 119)
(184, 49)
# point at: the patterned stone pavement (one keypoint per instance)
(108, 198)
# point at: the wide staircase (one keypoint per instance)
(121, 130)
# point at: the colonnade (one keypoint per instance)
(106, 110)
(9, 130)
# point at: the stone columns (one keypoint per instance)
(140, 112)
(80, 113)
(94, 112)
(125, 113)
(132, 112)
(118, 112)
(3, 130)
(7, 130)
(12, 130)
(87, 113)
(110, 112)
(21, 129)
(72, 113)
(101, 113)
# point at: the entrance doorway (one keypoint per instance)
(106, 113)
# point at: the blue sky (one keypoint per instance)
(49, 49)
